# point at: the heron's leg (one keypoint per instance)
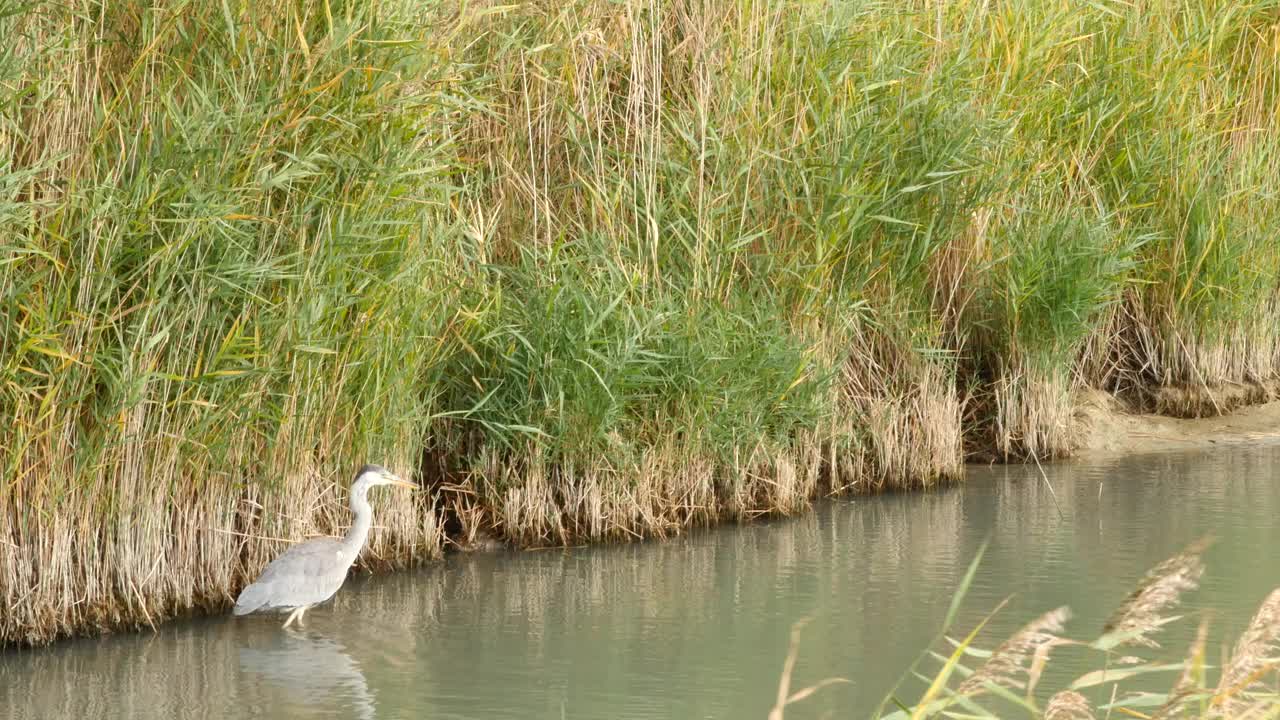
(293, 616)
(302, 611)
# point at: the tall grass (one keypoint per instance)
(220, 291)
(595, 269)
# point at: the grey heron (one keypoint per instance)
(311, 572)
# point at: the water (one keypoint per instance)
(698, 627)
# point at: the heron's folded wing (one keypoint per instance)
(305, 574)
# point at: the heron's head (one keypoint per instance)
(374, 475)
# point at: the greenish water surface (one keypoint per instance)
(697, 627)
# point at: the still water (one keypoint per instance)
(698, 627)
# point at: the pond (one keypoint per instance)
(698, 627)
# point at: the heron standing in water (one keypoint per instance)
(311, 572)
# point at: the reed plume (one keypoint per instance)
(1253, 660)
(1068, 705)
(1006, 665)
(1188, 682)
(1139, 615)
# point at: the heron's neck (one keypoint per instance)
(361, 521)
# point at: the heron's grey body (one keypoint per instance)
(311, 572)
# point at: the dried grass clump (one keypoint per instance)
(899, 420)
(665, 491)
(1035, 416)
(1203, 401)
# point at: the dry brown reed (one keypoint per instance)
(1035, 415)
(912, 404)
(785, 695)
(537, 503)
(1191, 678)
(1205, 378)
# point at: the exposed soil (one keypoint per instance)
(1109, 427)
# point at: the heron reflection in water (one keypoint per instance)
(313, 667)
(311, 572)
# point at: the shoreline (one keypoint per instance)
(1108, 428)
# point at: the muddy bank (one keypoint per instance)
(1109, 426)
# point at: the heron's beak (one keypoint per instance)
(397, 480)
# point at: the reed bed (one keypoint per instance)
(595, 270)
(215, 237)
